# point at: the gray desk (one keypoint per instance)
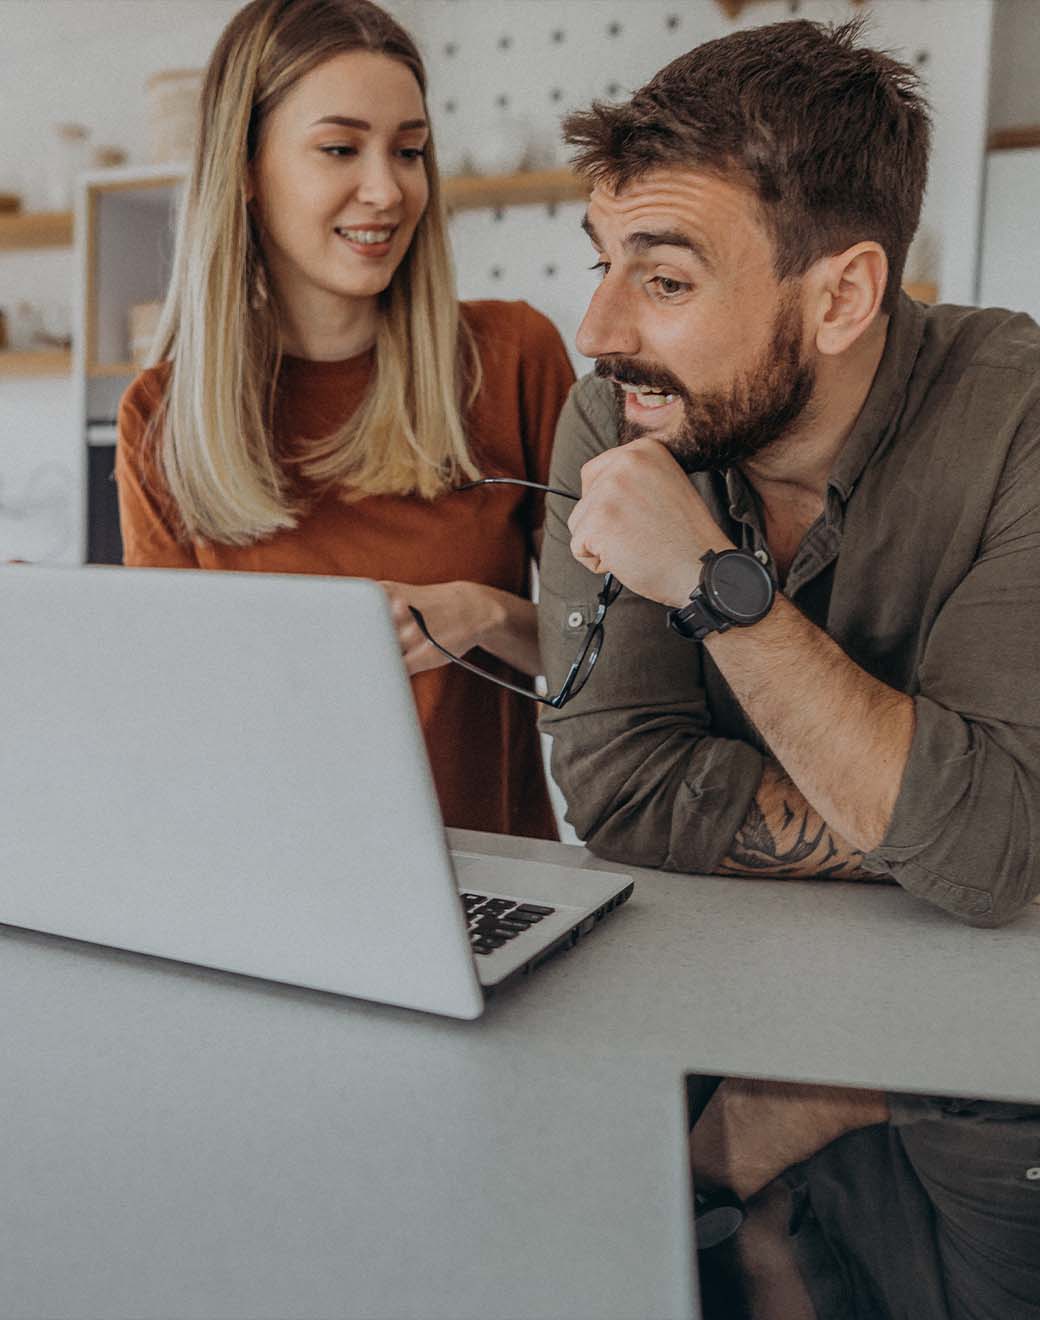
(182, 1143)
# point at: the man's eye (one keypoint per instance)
(601, 266)
(669, 288)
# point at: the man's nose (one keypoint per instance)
(608, 326)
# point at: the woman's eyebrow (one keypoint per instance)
(345, 121)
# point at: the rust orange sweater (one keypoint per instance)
(482, 741)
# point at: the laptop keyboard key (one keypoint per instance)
(493, 921)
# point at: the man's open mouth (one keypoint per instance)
(646, 395)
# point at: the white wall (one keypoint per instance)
(87, 61)
(1015, 89)
(1009, 273)
(1009, 263)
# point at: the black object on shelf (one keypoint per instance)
(104, 542)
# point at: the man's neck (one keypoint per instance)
(792, 475)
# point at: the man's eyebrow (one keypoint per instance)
(590, 229)
(644, 239)
(345, 122)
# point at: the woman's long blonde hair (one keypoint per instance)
(220, 331)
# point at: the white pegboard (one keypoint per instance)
(523, 63)
(537, 253)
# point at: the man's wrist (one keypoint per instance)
(686, 579)
(735, 590)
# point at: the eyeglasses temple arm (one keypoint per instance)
(516, 481)
(482, 673)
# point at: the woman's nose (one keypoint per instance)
(378, 185)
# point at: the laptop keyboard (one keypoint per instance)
(493, 921)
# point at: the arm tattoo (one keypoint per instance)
(783, 836)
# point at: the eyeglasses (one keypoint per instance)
(592, 640)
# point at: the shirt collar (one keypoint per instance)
(879, 416)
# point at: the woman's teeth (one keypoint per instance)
(366, 235)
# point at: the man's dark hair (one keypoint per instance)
(832, 138)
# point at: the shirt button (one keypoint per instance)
(762, 556)
(575, 619)
(1033, 1174)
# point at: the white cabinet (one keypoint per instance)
(125, 232)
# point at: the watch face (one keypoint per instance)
(739, 586)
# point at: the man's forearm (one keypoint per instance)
(842, 736)
(782, 835)
(751, 1130)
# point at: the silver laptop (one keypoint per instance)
(227, 769)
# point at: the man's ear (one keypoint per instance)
(847, 290)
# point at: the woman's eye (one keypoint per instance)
(602, 267)
(339, 151)
(413, 153)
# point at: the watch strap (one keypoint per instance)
(697, 619)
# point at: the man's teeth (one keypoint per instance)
(649, 398)
(366, 235)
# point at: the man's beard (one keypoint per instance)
(723, 428)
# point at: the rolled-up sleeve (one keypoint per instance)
(965, 832)
(633, 753)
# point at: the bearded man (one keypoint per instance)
(823, 502)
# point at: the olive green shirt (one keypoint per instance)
(924, 568)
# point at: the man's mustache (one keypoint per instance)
(630, 371)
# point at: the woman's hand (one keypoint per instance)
(462, 615)
(459, 614)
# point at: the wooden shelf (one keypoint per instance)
(1015, 139)
(35, 229)
(36, 362)
(733, 8)
(923, 291)
(532, 188)
(40, 229)
(98, 369)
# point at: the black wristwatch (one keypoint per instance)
(717, 1215)
(735, 591)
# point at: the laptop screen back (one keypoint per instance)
(226, 769)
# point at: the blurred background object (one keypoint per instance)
(142, 323)
(107, 158)
(37, 517)
(173, 105)
(67, 158)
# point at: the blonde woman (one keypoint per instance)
(320, 396)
